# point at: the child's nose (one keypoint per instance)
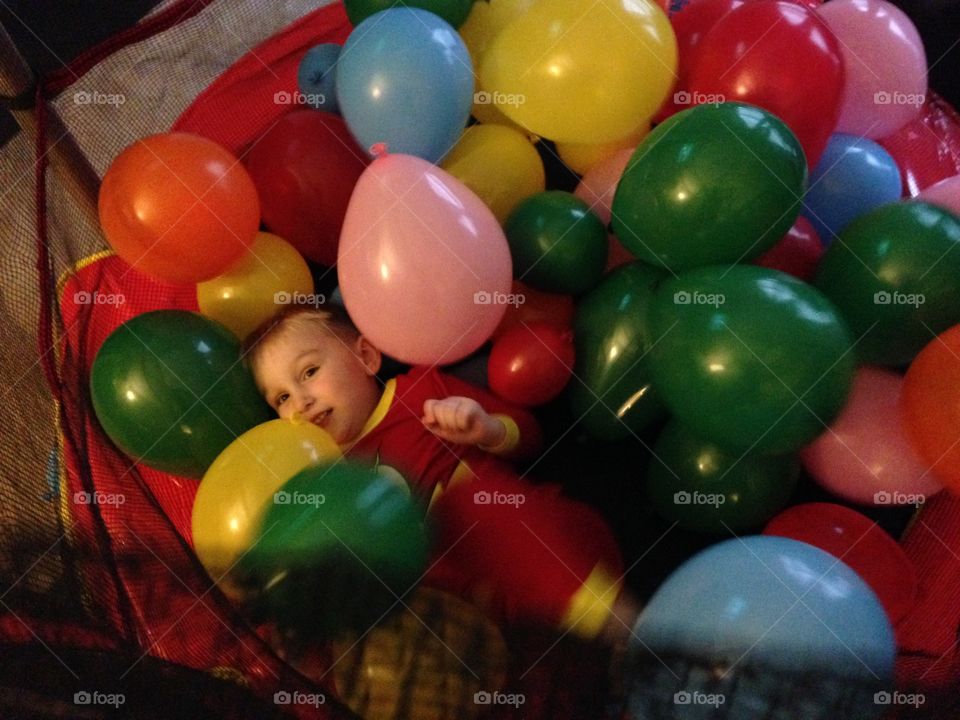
(304, 402)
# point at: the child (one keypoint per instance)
(522, 551)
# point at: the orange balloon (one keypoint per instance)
(930, 405)
(178, 207)
(531, 305)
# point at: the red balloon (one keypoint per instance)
(305, 168)
(927, 149)
(781, 57)
(532, 306)
(530, 364)
(178, 207)
(690, 24)
(860, 543)
(797, 254)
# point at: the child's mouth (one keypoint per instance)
(322, 418)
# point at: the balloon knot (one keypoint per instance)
(378, 149)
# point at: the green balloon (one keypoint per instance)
(337, 545)
(714, 184)
(895, 275)
(705, 488)
(557, 243)
(454, 12)
(169, 389)
(610, 391)
(750, 358)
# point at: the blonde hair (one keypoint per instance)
(332, 319)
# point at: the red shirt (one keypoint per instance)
(395, 436)
(521, 550)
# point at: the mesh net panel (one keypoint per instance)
(101, 592)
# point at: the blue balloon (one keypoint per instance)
(316, 77)
(405, 78)
(772, 602)
(854, 176)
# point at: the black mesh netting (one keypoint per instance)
(101, 597)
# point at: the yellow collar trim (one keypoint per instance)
(380, 411)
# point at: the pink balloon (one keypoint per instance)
(886, 66)
(945, 193)
(865, 456)
(424, 266)
(597, 187)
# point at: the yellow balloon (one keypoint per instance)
(426, 662)
(582, 71)
(239, 485)
(256, 286)
(580, 157)
(499, 164)
(484, 23)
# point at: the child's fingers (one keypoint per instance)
(429, 412)
(466, 413)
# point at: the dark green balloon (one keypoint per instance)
(557, 243)
(895, 275)
(337, 546)
(610, 391)
(454, 12)
(750, 358)
(714, 184)
(705, 488)
(169, 389)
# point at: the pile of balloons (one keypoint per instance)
(738, 270)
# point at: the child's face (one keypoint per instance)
(327, 380)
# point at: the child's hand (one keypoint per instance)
(461, 420)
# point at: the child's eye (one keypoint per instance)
(309, 371)
(280, 399)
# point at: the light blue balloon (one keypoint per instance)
(316, 77)
(405, 78)
(773, 602)
(854, 176)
